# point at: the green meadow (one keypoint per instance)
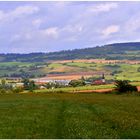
(68, 115)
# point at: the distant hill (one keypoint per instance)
(118, 51)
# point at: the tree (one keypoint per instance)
(32, 85)
(26, 83)
(29, 85)
(124, 86)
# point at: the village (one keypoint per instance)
(58, 81)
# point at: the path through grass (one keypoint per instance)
(69, 116)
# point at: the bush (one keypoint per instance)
(124, 86)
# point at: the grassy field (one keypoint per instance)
(80, 88)
(73, 89)
(69, 116)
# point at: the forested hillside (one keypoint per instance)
(119, 51)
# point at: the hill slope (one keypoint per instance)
(119, 51)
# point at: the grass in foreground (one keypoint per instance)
(69, 116)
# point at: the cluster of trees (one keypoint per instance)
(8, 88)
(76, 83)
(29, 85)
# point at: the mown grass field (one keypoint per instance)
(66, 115)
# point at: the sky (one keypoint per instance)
(27, 27)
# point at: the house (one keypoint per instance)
(100, 81)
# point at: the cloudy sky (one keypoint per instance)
(52, 26)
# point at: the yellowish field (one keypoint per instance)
(103, 61)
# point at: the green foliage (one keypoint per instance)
(29, 84)
(4, 87)
(32, 85)
(26, 84)
(124, 86)
(76, 83)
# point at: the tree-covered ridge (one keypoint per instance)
(119, 51)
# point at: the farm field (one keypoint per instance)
(74, 69)
(66, 115)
